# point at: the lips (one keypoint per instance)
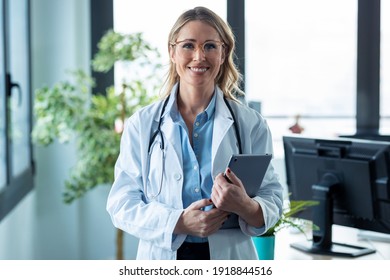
(199, 69)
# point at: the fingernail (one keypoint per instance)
(228, 170)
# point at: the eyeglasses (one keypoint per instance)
(187, 48)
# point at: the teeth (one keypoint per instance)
(198, 69)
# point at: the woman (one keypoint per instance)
(169, 190)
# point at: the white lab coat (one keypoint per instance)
(153, 220)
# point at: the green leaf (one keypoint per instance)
(287, 218)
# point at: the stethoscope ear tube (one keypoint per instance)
(158, 131)
(235, 124)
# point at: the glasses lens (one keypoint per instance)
(210, 47)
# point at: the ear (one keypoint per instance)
(172, 54)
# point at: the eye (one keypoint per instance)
(188, 46)
(209, 46)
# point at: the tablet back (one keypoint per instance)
(250, 168)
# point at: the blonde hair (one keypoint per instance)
(228, 78)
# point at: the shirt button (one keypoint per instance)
(195, 135)
(197, 123)
(195, 167)
(197, 190)
(177, 176)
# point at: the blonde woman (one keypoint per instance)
(169, 190)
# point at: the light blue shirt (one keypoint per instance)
(196, 158)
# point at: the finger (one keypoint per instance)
(220, 190)
(229, 174)
(216, 192)
(197, 205)
(215, 222)
(221, 181)
(225, 175)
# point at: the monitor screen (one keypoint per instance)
(349, 178)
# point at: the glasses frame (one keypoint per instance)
(198, 45)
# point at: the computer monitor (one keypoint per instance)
(349, 178)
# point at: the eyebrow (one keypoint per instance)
(194, 40)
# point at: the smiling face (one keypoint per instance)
(198, 54)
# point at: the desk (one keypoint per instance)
(341, 234)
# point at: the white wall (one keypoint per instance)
(42, 226)
(59, 43)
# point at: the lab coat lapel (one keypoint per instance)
(224, 141)
(172, 136)
(171, 132)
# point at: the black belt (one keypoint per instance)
(194, 251)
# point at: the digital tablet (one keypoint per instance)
(250, 168)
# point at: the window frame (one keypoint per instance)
(102, 20)
(16, 187)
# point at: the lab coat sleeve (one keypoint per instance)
(153, 221)
(269, 196)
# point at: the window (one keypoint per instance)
(300, 58)
(15, 107)
(155, 24)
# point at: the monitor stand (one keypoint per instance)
(322, 224)
(336, 249)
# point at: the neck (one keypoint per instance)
(193, 100)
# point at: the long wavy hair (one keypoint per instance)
(228, 78)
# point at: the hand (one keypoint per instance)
(229, 194)
(194, 221)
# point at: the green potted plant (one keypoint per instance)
(67, 110)
(265, 243)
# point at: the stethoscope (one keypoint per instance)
(158, 131)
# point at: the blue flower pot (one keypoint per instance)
(265, 247)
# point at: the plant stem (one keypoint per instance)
(119, 244)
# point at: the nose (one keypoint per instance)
(199, 54)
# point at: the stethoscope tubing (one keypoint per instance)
(158, 131)
(162, 145)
